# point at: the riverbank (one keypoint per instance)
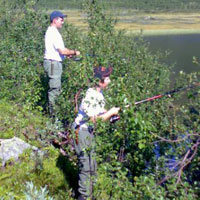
(134, 22)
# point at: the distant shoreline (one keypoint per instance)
(163, 32)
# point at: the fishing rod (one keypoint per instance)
(115, 118)
(78, 58)
(169, 93)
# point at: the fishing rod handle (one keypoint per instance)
(114, 118)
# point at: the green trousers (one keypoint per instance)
(85, 150)
(54, 72)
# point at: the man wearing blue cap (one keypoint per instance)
(55, 52)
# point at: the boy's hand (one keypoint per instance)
(78, 53)
(115, 110)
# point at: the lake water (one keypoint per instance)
(182, 47)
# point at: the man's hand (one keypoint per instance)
(68, 52)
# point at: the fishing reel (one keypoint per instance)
(114, 118)
(77, 59)
(74, 58)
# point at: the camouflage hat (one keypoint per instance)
(102, 72)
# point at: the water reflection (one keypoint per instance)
(182, 47)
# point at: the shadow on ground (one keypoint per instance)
(70, 172)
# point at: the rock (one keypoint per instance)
(12, 148)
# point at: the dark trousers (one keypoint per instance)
(84, 147)
(54, 72)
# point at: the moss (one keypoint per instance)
(40, 169)
(13, 178)
(15, 120)
(6, 134)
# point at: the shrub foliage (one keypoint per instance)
(133, 154)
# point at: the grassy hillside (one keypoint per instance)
(147, 23)
(142, 5)
(149, 17)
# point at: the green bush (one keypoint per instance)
(22, 34)
(17, 121)
(45, 172)
(127, 165)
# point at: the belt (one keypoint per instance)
(90, 129)
(50, 60)
(79, 127)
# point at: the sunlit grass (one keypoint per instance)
(148, 23)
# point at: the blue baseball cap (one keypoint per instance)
(56, 14)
